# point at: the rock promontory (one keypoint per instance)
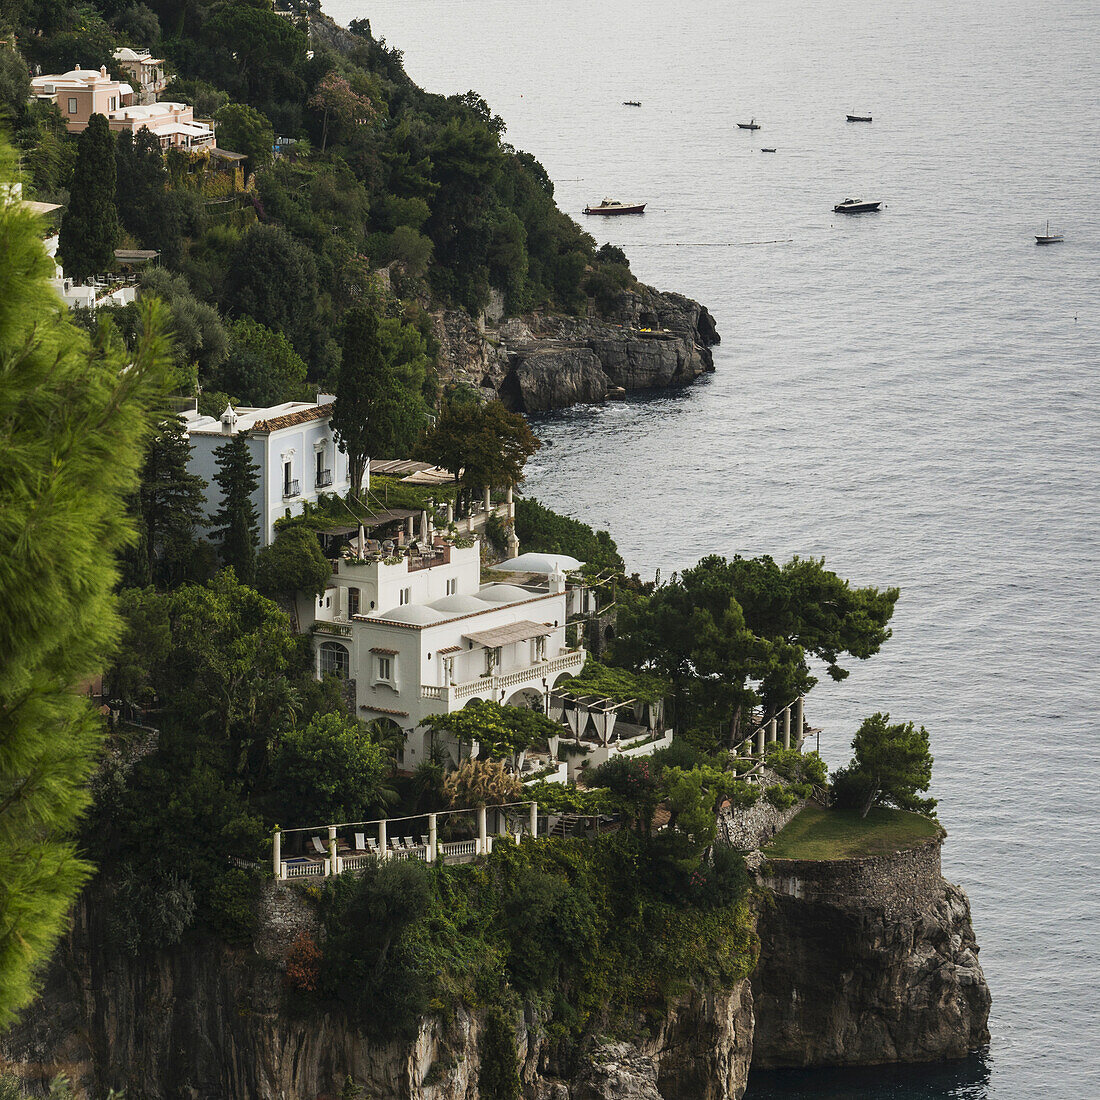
(642, 340)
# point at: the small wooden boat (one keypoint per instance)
(767, 150)
(752, 124)
(632, 102)
(1048, 237)
(855, 206)
(614, 207)
(859, 118)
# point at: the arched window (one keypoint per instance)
(335, 660)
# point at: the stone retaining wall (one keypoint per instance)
(898, 883)
(752, 827)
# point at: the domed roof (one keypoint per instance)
(458, 604)
(416, 614)
(538, 563)
(503, 593)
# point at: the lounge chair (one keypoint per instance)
(372, 844)
(424, 840)
(408, 842)
(360, 842)
(319, 847)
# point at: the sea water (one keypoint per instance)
(910, 394)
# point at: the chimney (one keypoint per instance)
(103, 71)
(229, 420)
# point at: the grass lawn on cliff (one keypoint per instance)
(817, 833)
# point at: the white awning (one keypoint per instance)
(512, 632)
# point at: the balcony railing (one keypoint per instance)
(453, 695)
(290, 489)
(324, 478)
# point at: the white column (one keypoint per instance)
(760, 741)
(277, 853)
(534, 819)
(482, 833)
(433, 835)
(488, 498)
(799, 722)
(787, 728)
(382, 839)
(409, 529)
(334, 863)
(511, 503)
(771, 732)
(450, 514)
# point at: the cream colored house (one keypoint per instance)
(81, 93)
(145, 71)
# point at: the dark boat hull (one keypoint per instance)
(1054, 238)
(609, 210)
(747, 126)
(857, 208)
(859, 118)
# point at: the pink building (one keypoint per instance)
(173, 124)
(81, 93)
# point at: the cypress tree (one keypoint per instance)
(236, 525)
(362, 371)
(89, 230)
(170, 504)
(74, 414)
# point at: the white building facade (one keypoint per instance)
(419, 634)
(293, 445)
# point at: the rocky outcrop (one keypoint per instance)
(866, 961)
(541, 361)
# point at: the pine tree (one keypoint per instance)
(236, 525)
(74, 415)
(89, 230)
(170, 504)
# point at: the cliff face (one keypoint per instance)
(867, 961)
(862, 961)
(546, 361)
(214, 1024)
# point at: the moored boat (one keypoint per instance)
(609, 206)
(1048, 237)
(769, 150)
(752, 124)
(859, 118)
(632, 102)
(855, 206)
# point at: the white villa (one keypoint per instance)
(291, 443)
(419, 634)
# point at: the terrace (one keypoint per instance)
(447, 836)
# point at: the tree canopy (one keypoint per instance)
(484, 446)
(502, 731)
(731, 634)
(74, 415)
(892, 764)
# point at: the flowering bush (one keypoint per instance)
(303, 964)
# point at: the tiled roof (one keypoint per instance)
(384, 710)
(302, 416)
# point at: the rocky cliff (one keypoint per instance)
(862, 961)
(866, 961)
(539, 362)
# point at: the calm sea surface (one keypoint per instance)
(912, 395)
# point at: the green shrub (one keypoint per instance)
(780, 797)
(233, 905)
(498, 1076)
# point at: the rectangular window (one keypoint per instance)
(404, 597)
(72, 106)
(452, 586)
(353, 601)
(114, 103)
(385, 668)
